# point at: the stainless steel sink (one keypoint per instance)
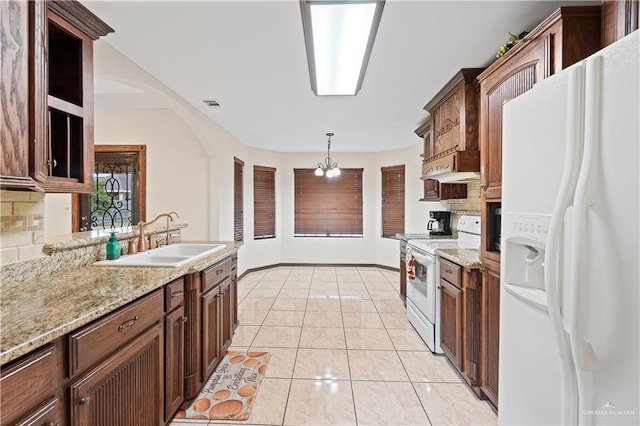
(172, 256)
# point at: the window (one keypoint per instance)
(328, 207)
(238, 213)
(119, 181)
(264, 202)
(392, 201)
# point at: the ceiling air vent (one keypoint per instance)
(212, 103)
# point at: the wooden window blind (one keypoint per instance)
(328, 207)
(264, 202)
(392, 200)
(238, 213)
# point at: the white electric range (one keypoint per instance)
(423, 276)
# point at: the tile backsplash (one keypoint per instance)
(21, 225)
(469, 204)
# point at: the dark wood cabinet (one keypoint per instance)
(434, 190)
(234, 292)
(567, 36)
(211, 331)
(135, 365)
(174, 332)
(117, 366)
(174, 361)
(48, 414)
(19, 41)
(226, 319)
(619, 18)
(211, 311)
(41, 374)
(490, 333)
(460, 320)
(48, 126)
(126, 388)
(453, 145)
(451, 322)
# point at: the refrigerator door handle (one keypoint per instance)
(573, 149)
(585, 189)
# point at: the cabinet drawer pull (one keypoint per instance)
(177, 293)
(85, 401)
(56, 423)
(219, 271)
(128, 324)
(448, 271)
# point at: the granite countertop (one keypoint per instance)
(38, 311)
(468, 258)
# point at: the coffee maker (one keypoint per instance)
(440, 223)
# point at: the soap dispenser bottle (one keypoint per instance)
(113, 247)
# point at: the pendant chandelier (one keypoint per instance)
(329, 168)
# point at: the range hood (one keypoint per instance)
(458, 177)
(452, 166)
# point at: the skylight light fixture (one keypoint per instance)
(339, 36)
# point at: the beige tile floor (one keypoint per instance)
(343, 353)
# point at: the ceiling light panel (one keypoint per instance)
(339, 37)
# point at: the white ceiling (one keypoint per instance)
(250, 56)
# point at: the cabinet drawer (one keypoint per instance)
(174, 294)
(451, 272)
(215, 274)
(95, 341)
(28, 383)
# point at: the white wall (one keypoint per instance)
(190, 170)
(177, 165)
(416, 212)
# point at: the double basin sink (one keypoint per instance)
(172, 256)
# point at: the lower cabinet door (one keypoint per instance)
(490, 333)
(174, 362)
(211, 307)
(126, 388)
(226, 320)
(451, 322)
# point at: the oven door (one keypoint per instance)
(421, 288)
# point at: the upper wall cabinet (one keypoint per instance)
(453, 152)
(434, 190)
(47, 130)
(567, 36)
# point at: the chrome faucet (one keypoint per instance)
(141, 239)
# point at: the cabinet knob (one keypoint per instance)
(83, 229)
(85, 401)
(483, 186)
(482, 269)
(185, 319)
(54, 162)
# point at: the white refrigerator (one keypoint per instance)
(569, 297)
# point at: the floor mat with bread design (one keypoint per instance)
(231, 390)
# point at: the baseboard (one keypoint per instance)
(346, 265)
